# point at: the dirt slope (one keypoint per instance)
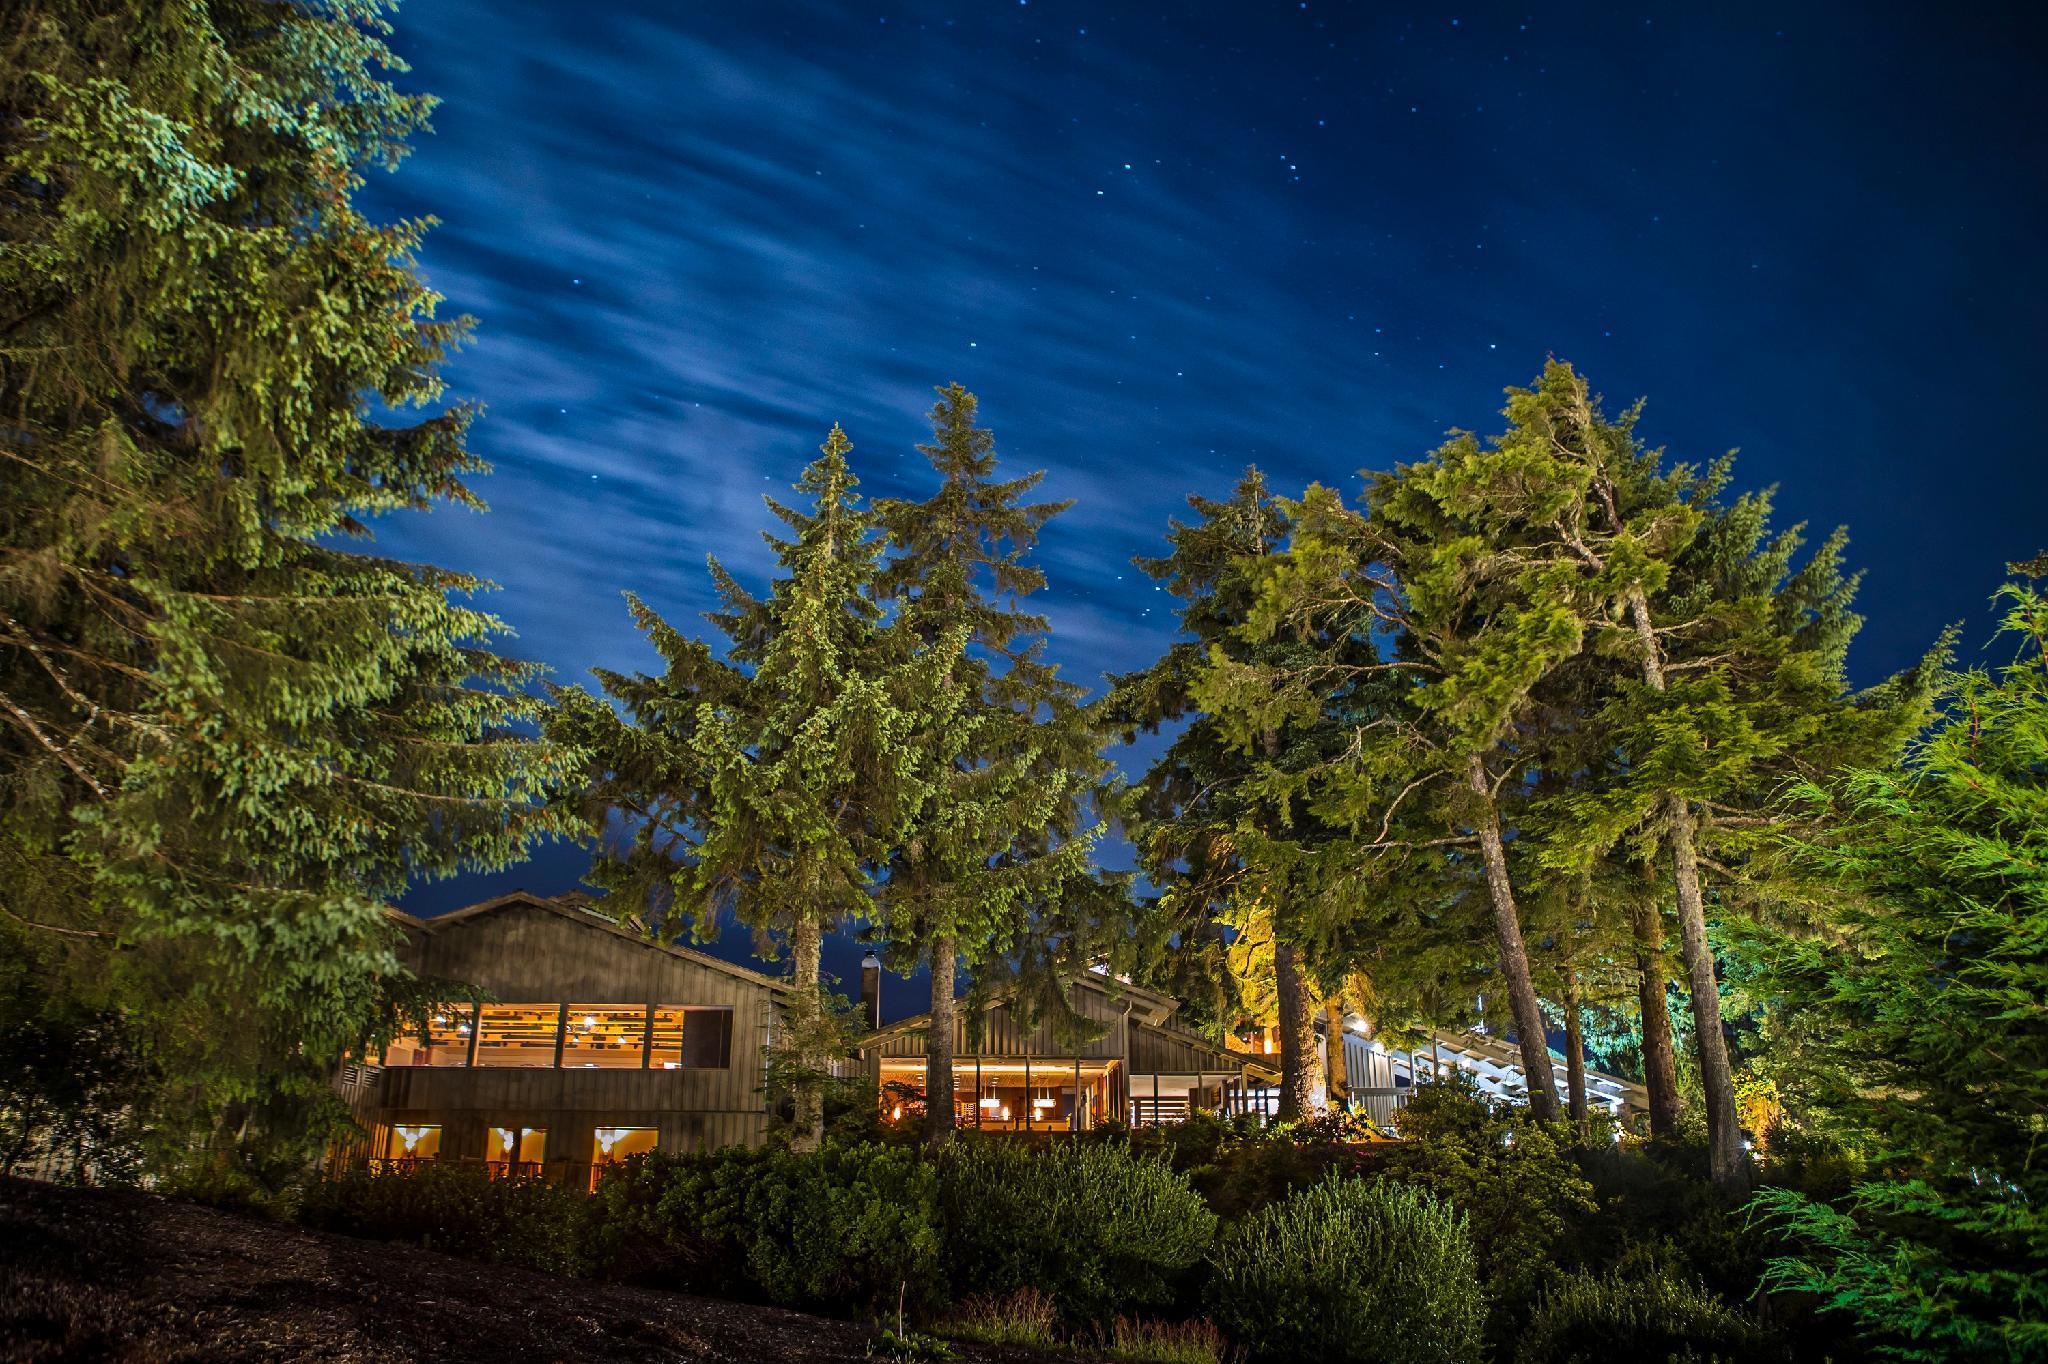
(126, 1277)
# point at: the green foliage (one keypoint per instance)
(457, 1210)
(1510, 1175)
(1912, 1023)
(845, 1225)
(70, 1080)
(1349, 1270)
(226, 739)
(1098, 1228)
(993, 860)
(1238, 1164)
(777, 782)
(1583, 1319)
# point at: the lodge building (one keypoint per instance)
(597, 1043)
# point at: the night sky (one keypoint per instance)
(1162, 242)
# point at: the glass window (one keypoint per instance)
(519, 1145)
(616, 1143)
(612, 1035)
(447, 1041)
(692, 1039)
(517, 1034)
(409, 1141)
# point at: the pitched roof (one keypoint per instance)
(581, 909)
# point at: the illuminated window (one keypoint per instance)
(692, 1039)
(517, 1034)
(409, 1141)
(616, 1143)
(447, 1041)
(605, 1035)
(519, 1145)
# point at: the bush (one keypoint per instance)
(1583, 1319)
(844, 1225)
(1354, 1271)
(1514, 1177)
(1100, 1229)
(458, 1210)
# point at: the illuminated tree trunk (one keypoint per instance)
(1339, 1067)
(1514, 955)
(938, 1046)
(1660, 1060)
(1574, 1051)
(807, 1020)
(1725, 1159)
(1298, 1068)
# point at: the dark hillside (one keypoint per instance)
(118, 1276)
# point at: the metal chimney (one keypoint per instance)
(871, 989)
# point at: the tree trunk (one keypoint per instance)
(1660, 1060)
(1298, 1068)
(1574, 1052)
(1339, 1068)
(1514, 956)
(1725, 1159)
(807, 1010)
(938, 1046)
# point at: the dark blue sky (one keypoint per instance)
(1165, 241)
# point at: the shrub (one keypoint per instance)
(1100, 1229)
(1583, 1319)
(843, 1224)
(1026, 1317)
(1511, 1175)
(849, 1224)
(458, 1210)
(1352, 1271)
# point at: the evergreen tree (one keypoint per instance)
(1231, 856)
(1732, 678)
(998, 846)
(778, 782)
(225, 739)
(1913, 1024)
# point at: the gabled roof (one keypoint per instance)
(581, 910)
(1152, 1011)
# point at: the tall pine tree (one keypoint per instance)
(226, 737)
(778, 782)
(1000, 844)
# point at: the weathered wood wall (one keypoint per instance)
(524, 953)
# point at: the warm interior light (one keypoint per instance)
(991, 1102)
(590, 1020)
(1006, 1112)
(897, 1116)
(504, 1138)
(1043, 1103)
(607, 1137)
(411, 1135)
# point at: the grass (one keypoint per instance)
(1139, 1341)
(1026, 1317)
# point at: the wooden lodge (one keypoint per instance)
(598, 1043)
(593, 1042)
(1140, 1069)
